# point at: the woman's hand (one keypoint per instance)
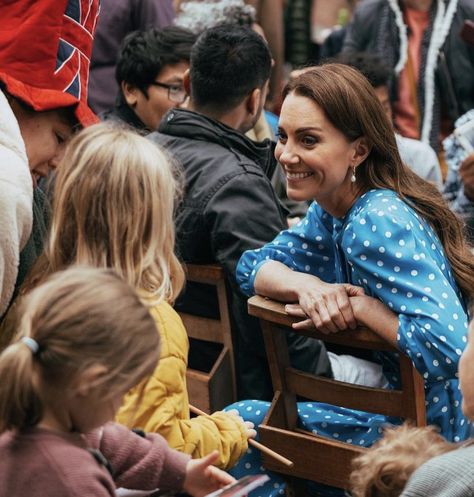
(202, 478)
(375, 315)
(249, 426)
(326, 306)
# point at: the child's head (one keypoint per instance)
(83, 340)
(385, 468)
(113, 207)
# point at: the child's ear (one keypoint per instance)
(88, 379)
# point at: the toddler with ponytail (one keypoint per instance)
(83, 340)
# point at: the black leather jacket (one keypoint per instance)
(229, 206)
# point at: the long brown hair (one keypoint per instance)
(113, 207)
(351, 105)
(78, 318)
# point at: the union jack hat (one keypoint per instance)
(45, 50)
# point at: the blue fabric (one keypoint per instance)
(383, 246)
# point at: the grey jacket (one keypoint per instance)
(448, 475)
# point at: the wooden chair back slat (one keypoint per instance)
(316, 458)
(213, 390)
(374, 400)
(202, 328)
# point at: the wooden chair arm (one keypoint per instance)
(274, 312)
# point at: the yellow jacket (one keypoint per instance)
(164, 406)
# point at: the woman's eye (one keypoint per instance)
(59, 138)
(281, 137)
(309, 140)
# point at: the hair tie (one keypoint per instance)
(31, 343)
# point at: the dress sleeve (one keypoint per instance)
(400, 261)
(307, 247)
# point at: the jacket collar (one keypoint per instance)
(189, 124)
(122, 112)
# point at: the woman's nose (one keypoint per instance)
(287, 155)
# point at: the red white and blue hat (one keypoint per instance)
(45, 50)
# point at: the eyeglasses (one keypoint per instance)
(176, 93)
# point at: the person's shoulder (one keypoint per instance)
(466, 8)
(171, 329)
(446, 475)
(369, 7)
(416, 146)
(376, 201)
(379, 211)
(60, 463)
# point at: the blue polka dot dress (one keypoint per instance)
(383, 246)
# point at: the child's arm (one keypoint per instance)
(163, 404)
(141, 463)
(147, 463)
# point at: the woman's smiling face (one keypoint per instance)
(315, 156)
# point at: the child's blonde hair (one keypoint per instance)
(113, 207)
(79, 318)
(385, 468)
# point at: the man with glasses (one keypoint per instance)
(149, 71)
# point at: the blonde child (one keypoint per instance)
(113, 207)
(83, 340)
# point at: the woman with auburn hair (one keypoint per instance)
(113, 208)
(379, 247)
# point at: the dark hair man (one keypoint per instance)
(150, 69)
(229, 205)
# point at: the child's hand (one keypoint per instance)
(249, 426)
(202, 478)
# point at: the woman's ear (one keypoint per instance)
(361, 151)
(88, 379)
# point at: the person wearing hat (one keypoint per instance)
(45, 48)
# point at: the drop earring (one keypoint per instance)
(353, 177)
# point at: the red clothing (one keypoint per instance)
(404, 111)
(45, 48)
(42, 463)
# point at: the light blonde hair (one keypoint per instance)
(79, 318)
(385, 468)
(113, 207)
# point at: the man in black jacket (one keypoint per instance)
(229, 205)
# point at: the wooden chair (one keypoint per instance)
(317, 458)
(213, 390)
